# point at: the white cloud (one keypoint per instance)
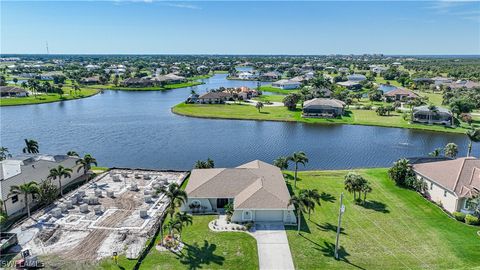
(182, 5)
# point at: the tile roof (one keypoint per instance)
(254, 185)
(460, 176)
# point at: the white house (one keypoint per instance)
(245, 75)
(451, 183)
(23, 169)
(286, 84)
(91, 67)
(256, 189)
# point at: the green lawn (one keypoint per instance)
(381, 80)
(355, 117)
(46, 98)
(396, 229)
(204, 249)
(270, 88)
(271, 98)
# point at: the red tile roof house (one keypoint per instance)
(256, 189)
(400, 94)
(451, 183)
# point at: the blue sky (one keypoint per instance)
(227, 27)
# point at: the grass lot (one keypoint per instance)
(152, 88)
(204, 249)
(396, 229)
(46, 98)
(269, 88)
(381, 80)
(433, 98)
(355, 117)
(271, 98)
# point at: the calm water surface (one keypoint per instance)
(137, 129)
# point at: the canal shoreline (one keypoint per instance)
(175, 110)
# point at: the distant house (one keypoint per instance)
(462, 84)
(90, 80)
(323, 107)
(270, 76)
(356, 77)
(400, 94)
(214, 98)
(91, 67)
(169, 79)
(379, 69)
(12, 91)
(23, 169)
(451, 183)
(423, 81)
(256, 190)
(343, 69)
(438, 115)
(441, 80)
(245, 75)
(352, 85)
(286, 84)
(137, 82)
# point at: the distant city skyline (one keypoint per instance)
(255, 28)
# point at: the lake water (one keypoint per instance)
(137, 129)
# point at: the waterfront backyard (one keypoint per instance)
(396, 229)
(280, 113)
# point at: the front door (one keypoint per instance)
(221, 202)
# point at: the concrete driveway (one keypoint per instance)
(273, 248)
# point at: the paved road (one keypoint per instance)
(273, 249)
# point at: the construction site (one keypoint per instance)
(115, 212)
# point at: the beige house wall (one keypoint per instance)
(442, 196)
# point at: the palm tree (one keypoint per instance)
(25, 189)
(185, 219)
(173, 225)
(313, 196)
(281, 162)
(436, 152)
(259, 106)
(301, 204)
(365, 188)
(31, 147)
(451, 150)
(175, 195)
(72, 154)
(4, 153)
(86, 163)
(350, 184)
(474, 136)
(298, 158)
(75, 88)
(59, 173)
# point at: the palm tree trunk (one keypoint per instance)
(295, 178)
(469, 149)
(60, 186)
(299, 220)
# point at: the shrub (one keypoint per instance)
(459, 216)
(249, 225)
(367, 107)
(472, 220)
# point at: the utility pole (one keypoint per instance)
(342, 210)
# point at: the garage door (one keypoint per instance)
(269, 215)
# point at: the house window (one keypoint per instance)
(431, 185)
(444, 193)
(15, 199)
